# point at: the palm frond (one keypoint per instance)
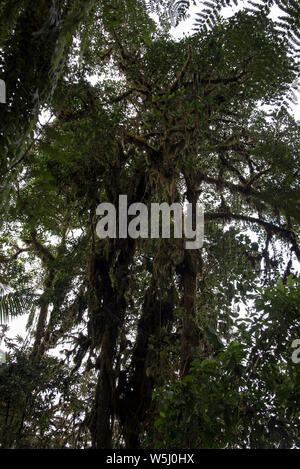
(15, 304)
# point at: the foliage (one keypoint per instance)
(134, 111)
(42, 405)
(14, 304)
(245, 395)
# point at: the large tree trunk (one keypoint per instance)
(189, 270)
(136, 402)
(110, 280)
(106, 325)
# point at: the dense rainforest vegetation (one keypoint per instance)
(141, 343)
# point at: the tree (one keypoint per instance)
(154, 323)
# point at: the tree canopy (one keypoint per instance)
(141, 343)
